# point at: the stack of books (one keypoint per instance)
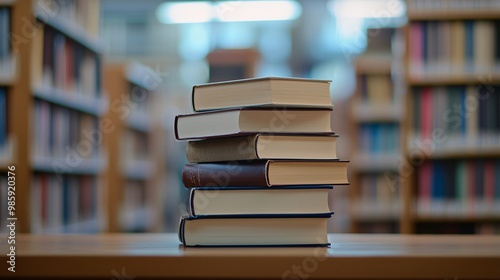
(262, 161)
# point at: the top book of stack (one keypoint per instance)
(262, 92)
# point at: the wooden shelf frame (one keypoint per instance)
(23, 93)
(363, 112)
(410, 215)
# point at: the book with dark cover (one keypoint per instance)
(3, 116)
(265, 173)
(255, 230)
(263, 146)
(259, 200)
(245, 121)
(262, 92)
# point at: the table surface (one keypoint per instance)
(351, 256)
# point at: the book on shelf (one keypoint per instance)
(263, 146)
(376, 89)
(468, 115)
(464, 188)
(59, 131)
(453, 48)
(250, 121)
(63, 64)
(259, 200)
(266, 173)
(267, 91)
(378, 138)
(64, 204)
(260, 230)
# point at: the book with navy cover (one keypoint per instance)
(254, 230)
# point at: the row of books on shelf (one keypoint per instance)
(84, 14)
(378, 138)
(66, 65)
(454, 47)
(378, 196)
(459, 188)
(471, 113)
(376, 89)
(259, 176)
(59, 132)
(452, 5)
(65, 204)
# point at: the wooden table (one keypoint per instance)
(142, 256)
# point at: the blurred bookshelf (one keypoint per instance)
(53, 114)
(376, 111)
(452, 130)
(134, 181)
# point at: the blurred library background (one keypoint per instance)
(89, 91)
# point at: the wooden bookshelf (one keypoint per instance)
(375, 110)
(464, 152)
(351, 256)
(121, 80)
(29, 89)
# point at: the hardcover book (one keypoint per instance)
(251, 121)
(259, 200)
(267, 91)
(265, 173)
(263, 146)
(251, 231)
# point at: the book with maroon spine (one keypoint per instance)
(265, 173)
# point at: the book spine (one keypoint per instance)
(192, 195)
(225, 174)
(193, 105)
(224, 149)
(181, 235)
